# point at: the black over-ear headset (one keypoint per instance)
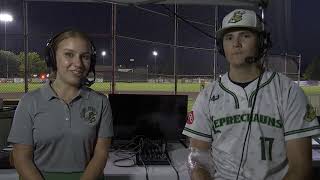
(50, 56)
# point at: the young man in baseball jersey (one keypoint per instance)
(251, 123)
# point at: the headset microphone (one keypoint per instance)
(86, 82)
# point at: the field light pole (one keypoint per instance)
(5, 17)
(147, 72)
(132, 66)
(155, 54)
(103, 54)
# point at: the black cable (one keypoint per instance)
(122, 154)
(145, 166)
(7, 109)
(167, 156)
(187, 22)
(174, 168)
(137, 150)
(141, 142)
(249, 124)
(183, 143)
(125, 152)
(123, 159)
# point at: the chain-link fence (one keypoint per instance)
(287, 64)
(181, 50)
(158, 48)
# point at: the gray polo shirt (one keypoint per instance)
(63, 135)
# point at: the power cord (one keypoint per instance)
(134, 148)
(144, 165)
(128, 152)
(249, 124)
(174, 168)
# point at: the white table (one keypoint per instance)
(155, 172)
(159, 172)
(8, 174)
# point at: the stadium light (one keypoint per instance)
(5, 17)
(155, 54)
(103, 54)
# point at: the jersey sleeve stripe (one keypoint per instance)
(197, 133)
(261, 86)
(231, 93)
(301, 130)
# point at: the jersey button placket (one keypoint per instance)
(245, 100)
(67, 116)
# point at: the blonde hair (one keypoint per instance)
(68, 34)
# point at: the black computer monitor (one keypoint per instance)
(152, 116)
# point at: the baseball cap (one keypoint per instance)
(240, 18)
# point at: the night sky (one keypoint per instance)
(47, 18)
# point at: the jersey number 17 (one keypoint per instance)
(266, 146)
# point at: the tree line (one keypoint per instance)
(313, 70)
(13, 65)
(37, 65)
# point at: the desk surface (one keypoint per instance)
(8, 174)
(178, 157)
(155, 172)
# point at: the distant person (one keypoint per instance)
(63, 130)
(250, 124)
(1, 103)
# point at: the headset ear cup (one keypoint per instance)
(264, 43)
(220, 47)
(268, 41)
(93, 63)
(49, 57)
(52, 59)
(93, 58)
(261, 44)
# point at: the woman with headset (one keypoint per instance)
(63, 130)
(251, 123)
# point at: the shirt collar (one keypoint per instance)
(84, 92)
(49, 93)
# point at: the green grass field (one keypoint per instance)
(311, 90)
(136, 87)
(165, 87)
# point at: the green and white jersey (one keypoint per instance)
(221, 113)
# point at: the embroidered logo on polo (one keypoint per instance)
(89, 115)
(310, 114)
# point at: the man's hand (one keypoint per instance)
(198, 172)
